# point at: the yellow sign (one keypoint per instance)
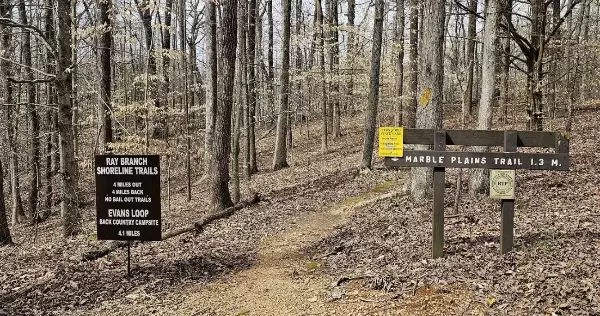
(502, 184)
(391, 141)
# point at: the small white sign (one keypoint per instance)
(502, 184)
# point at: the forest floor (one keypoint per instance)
(327, 240)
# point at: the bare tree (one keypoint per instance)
(212, 90)
(371, 113)
(351, 50)
(431, 83)
(493, 11)
(5, 237)
(221, 145)
(399, 46)
(251, 51)
(320, 33)
(240, 85)
(280, 157)
(334, 62)
(104, 55)
(467, 103)
(506, 58)
(7, 102)
(34, 121)
(68, 165)
(410, 110)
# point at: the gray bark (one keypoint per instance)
(351, 50)
(478, 179)
(211, 90)
(280, 157)
(218, 175)
(431, 82)
(68, 164)
(504, 92)
(321, 48)
(467, 103)
(5, 237)
(104, 54)
(240, 102)
(371, 113)
(410, 110)
(251, 50)
(6, 94)
(34, 122)
(399, 43)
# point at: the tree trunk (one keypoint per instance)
(467, 104)
(280, 157)
(166, 58)
(478, 179)
(334, 60)
(186, 106)
(321, 45)
(504, 84)
(50, 113)
(220, 197)
(555, 61)
(146, 12)
(211, 90)
(299, 105)
(5, 237)
(68, 164)
(270, 73)
(241, 97)
(34, 123)
(251, 50)
(535, 63)
(399, 47)
(16, 203)
(104, 55)
(410, 111)
(7, 102)
(430, 111)
(371, 113)
(351, 51)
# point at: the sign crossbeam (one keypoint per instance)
(486, 160)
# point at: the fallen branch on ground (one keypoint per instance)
(198, 226)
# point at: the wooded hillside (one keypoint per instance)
(265, 112)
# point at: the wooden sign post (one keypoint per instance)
(509, 159)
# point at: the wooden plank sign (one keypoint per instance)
(128, 197)
(503, 165)
(485, 160)
(502, 184)
(391, 141)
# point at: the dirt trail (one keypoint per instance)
(284, 281)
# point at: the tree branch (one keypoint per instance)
(34, 81)
(35, 30)
(561, 21)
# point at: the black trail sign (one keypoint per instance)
(128, 197)
(487, 160)
(440, 159)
